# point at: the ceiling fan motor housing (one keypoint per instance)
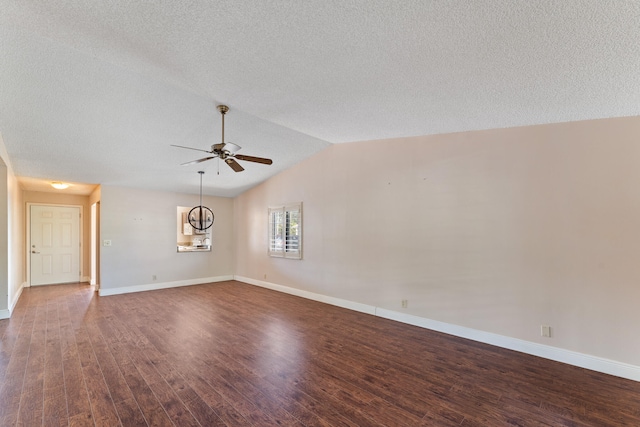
(226, 150)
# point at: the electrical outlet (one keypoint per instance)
(106, 243)
(154, 277)
(405, 303)
(545, 331)
(265, 276)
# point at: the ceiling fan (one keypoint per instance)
(226, 151)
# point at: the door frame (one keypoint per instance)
(94, 250)
(27, 242)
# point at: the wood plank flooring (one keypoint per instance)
(230, 354)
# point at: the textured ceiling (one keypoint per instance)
(95, 92)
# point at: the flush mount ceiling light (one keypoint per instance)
(59, 185)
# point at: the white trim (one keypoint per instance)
(284, 210)
(13, 303)
(594, 363)
(570, 357)
(355, 306)
(28, 236)
(103, 292)
(5, 314)
(93, 243)
(86, 279)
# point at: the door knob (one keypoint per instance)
(34, 252)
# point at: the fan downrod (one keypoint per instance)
(226, 150)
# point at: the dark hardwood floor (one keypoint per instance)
(230, 354)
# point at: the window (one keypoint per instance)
(285, 231)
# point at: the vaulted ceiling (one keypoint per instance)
(96, 92)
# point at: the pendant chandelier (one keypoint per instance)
(201, 217)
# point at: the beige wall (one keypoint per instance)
(17, 248)
(94, 197)
(4, 241)
(142, 225)
(68, 199)
(12, 248)
(500, 231)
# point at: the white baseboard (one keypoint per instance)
(355, 306)
(6, 314)
(103, 292)
(569, 357)
(594, 363)
(84, 279)
(16, 297)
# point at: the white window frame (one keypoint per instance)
(285, 237)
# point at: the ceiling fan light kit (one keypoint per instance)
(226, 151)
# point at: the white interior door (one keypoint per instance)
(55, 244)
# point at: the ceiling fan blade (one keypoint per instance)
(193, 162)
(190, 148)
(234, 165)
(254, 159)
(231, 147)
